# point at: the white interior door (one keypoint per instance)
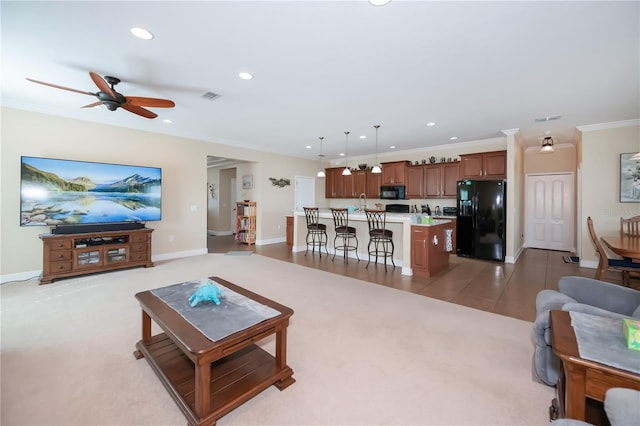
(305, 195)
(549, 211)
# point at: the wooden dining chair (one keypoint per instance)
(630, 226)
(625, 266)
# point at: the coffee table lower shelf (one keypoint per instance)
(235, 378)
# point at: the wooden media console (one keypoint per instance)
(68, 255)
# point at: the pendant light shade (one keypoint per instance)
(347, 170)
(321, 171)
(376, 167)
(547, 145)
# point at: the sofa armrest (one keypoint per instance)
(592, 310)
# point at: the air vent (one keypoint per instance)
(542, 119)
(210, 96)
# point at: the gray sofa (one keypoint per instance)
(576, 294)
(621, 405)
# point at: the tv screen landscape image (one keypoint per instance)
(67, 192)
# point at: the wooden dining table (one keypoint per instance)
(623, 245)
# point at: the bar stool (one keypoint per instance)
(345, 232)
(379, 236)
(316, 231)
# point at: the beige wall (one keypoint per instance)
(600, 186)
(184, 172)
(185, 178)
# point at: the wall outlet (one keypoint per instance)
(194, 208)
(171, 238)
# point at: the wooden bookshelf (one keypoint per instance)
(246, 222)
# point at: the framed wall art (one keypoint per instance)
(629, 178)
(247, 181)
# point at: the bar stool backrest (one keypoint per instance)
(312, 214)
(376, 219)
(340, 217)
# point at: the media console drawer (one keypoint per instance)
(68, 255)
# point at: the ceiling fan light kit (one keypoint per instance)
(113, 100)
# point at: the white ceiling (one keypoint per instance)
(322, 68)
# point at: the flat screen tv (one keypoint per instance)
(70, 193)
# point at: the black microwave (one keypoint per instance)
(395, 192)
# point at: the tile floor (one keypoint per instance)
(502, 288)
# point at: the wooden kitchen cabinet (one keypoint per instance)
(359, 183)
(351, 186)
(484, 165)
(441, 180)
(333, 186)
(289, 237)
(429, 253)
(393, 173)
(415, 181)
(374, 181)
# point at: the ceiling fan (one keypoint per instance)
(113, 100)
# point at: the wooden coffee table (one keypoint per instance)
(581, 378)
(208, 379)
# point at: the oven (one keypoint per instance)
(397, 208)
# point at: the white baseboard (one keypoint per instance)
(24, 276)
(219, 233)
(270, 241)
(178, 254)
(20, 276)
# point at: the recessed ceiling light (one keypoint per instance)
(363, 137)
(342, 154)
(453, 138)
(141, 33)
(392, 147)
(308, 146)
(378, 2)
(166, 120)
(245, 76)
(431, 124)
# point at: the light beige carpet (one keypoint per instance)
(362, 354)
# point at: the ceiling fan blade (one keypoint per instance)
(149, 102)
(140, 111)
(61, 87)
(102, 84)
(95, 104)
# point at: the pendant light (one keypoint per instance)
(321, 172)
(547, 145)
(376, 168)
(346, 171)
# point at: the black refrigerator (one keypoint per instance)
(482, 223)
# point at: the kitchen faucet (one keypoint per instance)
(361, 208)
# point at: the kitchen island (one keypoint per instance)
(399, 223)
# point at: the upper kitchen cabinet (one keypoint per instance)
(374, 181)
(415, 181)
(354, 184)
(441, 180)
(333, 186)
(394, 173)
(484, 165)
(351, 186)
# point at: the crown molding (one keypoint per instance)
(611, 125)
